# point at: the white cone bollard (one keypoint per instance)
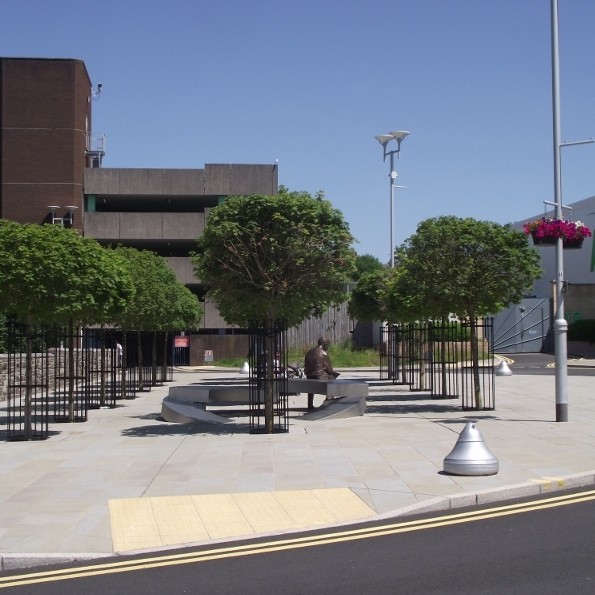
(245, 369)
(503, 369)
(470, 455)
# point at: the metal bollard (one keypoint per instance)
(470, 455)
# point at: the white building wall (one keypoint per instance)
(579, 265)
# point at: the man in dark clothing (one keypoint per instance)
(318, 365)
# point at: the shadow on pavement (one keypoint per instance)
(405, 409)
(173, 429)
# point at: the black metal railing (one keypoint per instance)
(28, 382)
(445, 337)
(394, 361)
(478, 386)
(267, 359)
(103, 369)
(69, 395)
(59, 373)
(448, 359)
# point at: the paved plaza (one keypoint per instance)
(126, 480)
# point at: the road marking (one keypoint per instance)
(292, 543)
(547, 482)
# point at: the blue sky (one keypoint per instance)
(311, 83)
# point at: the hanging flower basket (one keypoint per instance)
(574, 244)
(544, 241)
(545, 232)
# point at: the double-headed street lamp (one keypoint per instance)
(384, 140)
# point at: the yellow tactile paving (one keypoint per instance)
(136, 526)
(178, 519)
(342, 504)
(143, 523)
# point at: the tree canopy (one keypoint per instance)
(286, 256)
(457, 266)
(160, 301)
(49, 274)
(368, 299)
(464, 267)
(366, 263)
(449, 266)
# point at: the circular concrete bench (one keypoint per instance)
(185, 404)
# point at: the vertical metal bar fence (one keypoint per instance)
(28, 382)
(69, 395)
(478, 387)
(268, 378)
(445, 338)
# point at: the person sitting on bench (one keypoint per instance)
(317, 365)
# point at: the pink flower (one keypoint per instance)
(557, 228)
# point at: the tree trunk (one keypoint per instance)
(71, 373)
(269, 396)
(139, 345)
(164, 365)
(154, 359)
(123, 366)
(406, 352)
(28, 381)
(477, 394)
(102, 380)
(443, 355)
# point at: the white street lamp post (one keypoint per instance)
(384, 139)
(560, 324)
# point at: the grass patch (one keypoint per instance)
(344, 356)
(341, 356)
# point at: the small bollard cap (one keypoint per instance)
(503, 369)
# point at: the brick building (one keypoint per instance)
(45, 116)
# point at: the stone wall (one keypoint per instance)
(39, 362)
(54, 359)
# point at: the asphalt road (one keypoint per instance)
(542, 546)
(541, 363)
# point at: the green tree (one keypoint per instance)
(281, 257)
(49, 274)
(465, 267)
(183, 312)
(272, 258)
(160, 302)
(366, 263)
(368, 300)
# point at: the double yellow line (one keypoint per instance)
(288, 544)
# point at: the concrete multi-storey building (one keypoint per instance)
(164, 210)
(51, 171)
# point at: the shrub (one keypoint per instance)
(582, 330)
(452, 331)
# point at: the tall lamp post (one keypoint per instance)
(560, 324)
(384, 140)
